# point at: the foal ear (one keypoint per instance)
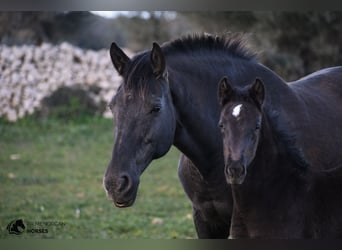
(257, 92)
(225, 91)
(157, 60)
(119, 59)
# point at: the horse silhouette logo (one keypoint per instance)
(16, 227)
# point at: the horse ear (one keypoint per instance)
(119, 59)
(157, 60)
(225, 91)
(257, 92)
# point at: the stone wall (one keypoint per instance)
(30, 73)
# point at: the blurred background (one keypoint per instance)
(47, 51)
(56, 79)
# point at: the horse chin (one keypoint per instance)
(236, 180)
(123, 204)
(237, 177)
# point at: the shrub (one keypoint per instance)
(71, 103)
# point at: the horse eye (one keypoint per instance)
(148, 141)
(220, 125)
(156, 109)
(258, 126)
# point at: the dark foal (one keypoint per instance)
(276, 192)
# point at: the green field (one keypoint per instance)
(51, 171)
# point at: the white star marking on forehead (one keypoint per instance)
(237, 110)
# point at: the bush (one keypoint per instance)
(71, 103)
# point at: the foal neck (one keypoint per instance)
(274, 164)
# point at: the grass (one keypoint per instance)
(52, 171)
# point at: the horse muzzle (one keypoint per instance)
(122, 190)
(235, 172)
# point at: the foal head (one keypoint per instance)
(240, 124)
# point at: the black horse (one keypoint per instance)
(169, 96)
(283, 156)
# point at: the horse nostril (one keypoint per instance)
(123, 182)
(236, 169)
(112, 184)
(232, 171)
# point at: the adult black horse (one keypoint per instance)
(282, 149)
(169, 96)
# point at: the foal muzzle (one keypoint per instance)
(235, 172)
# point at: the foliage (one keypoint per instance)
(68, 103)
(291, 43)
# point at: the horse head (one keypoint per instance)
(144, 121)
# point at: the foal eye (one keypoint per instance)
(258, 126)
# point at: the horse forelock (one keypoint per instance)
(138, 75)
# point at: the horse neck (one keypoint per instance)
(193, 86)
(273, 165)
(278, 91)
(270, 151)
(281, 108)
(281, 100)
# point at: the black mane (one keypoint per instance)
(232, 43)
